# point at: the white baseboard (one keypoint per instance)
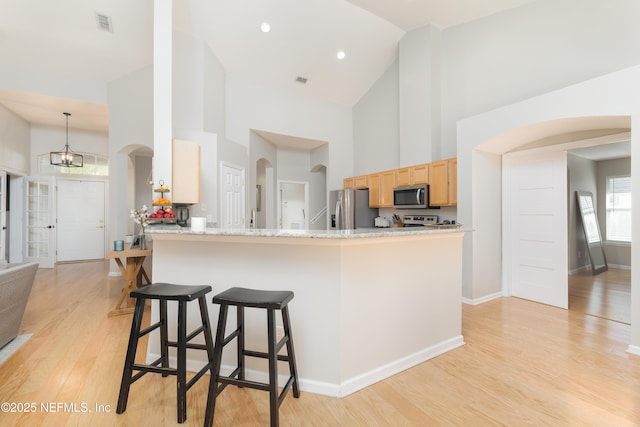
(366, 379)
(578, 270)
(484, 299)
(634, 349)
(347, 387)
(620, 267)
(115, 274)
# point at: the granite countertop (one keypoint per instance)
(324, 234)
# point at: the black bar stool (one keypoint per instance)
(164, 292)
(271, 301)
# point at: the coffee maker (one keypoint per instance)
(182, 215)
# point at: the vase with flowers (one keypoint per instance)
(141, 216)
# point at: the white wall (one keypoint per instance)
(14, 143)
(531, 50)
(49, 138)
(376, 126)
(130, 128)
(419, 87)
(498, 60)
(281, 111)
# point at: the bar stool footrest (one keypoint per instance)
(244, 383)
(263, 355)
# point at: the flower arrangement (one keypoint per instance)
(141, 216)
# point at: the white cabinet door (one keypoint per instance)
(535, 226)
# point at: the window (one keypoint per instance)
(93, 165)
(619, 208)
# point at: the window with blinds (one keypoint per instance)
(619, 208)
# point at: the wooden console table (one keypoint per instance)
(131, 269)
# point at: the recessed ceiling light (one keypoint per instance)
(265, 27)
(341, 54)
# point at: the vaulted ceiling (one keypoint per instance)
(62, 38)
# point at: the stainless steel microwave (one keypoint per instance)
(412, 197)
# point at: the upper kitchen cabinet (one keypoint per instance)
(420, 174)
(387, 182)
(403, 177)
(381, 189)
(186, 172)
(412, 175)
(348, 183)
(443, 183)
(361, 181)
(453, 182)
(374, 190)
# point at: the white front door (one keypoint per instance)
(535, 226)
(232, 196)
(3, 215)
(39, 221)
(81, 226)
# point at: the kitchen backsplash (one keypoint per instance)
(449, 213)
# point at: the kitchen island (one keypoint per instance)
(368, 303)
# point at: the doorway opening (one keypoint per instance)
(293, 205)
(609, 295)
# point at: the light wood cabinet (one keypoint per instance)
(374, 190)
(443, 183)
(348, 183)
(361, 181)
(403, 177)
(387, 182)
(453, 182)
(185, 177)
(442, 177)
(420, 174)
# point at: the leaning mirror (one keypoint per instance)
(591, 231)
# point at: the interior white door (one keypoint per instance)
(39, 241)
(3, 215)
(535, 226)
(80, 214)
(232, 196)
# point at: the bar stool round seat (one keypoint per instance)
(253, 298)
(164, 292)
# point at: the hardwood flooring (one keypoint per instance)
(523, 364)
(606, 295)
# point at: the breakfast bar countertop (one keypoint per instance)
(322, 234)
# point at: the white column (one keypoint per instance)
(162, 86)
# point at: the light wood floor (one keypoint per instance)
(606, 295)
(523, 364)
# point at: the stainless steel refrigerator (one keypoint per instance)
(349, 209)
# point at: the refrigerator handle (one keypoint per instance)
(338, 221)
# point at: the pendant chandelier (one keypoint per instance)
(66, 158)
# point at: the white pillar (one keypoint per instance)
(162, 86)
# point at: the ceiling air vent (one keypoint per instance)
(104, 22)
(302, 80)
